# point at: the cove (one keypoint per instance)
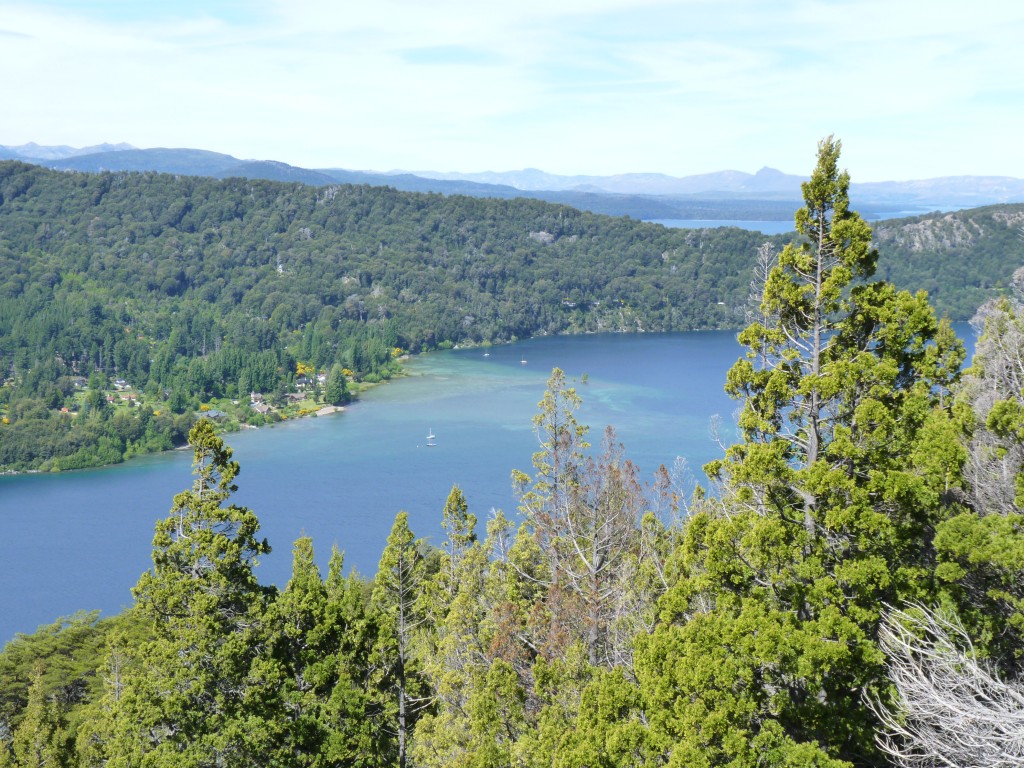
(79, 540)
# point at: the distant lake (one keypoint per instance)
(79, 540)
(780, 227)
(768, 227)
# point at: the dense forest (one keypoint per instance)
(196, 290)
(848, 593)
(962, 258)
(191, 293)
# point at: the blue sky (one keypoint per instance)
(914, 90)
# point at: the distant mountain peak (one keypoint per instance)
(33, 151)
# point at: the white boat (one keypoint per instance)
(431, 438)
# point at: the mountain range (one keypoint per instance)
(769, 194)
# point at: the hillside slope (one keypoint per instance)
(960, 258)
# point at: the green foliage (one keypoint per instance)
(827, 511)
(336, 392)
(981, 551)
(401, 693)
(203, 288)
(42, 739)
(962, 259)
(186, 696)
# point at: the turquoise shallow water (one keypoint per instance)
(79, 540)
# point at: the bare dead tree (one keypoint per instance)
(951, 709)
(996, 376)
(763, 265)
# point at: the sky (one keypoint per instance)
(913, 89)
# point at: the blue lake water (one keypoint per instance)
(768, 227)
(79, 540)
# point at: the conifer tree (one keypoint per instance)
(351, 712)
(336, 390)
(828, 509)
(42, 739)
(186, 695)
(396, 607)
(297, 673)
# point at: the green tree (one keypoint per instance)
(396, 605)
(828, 508)
(336, 390)
(297, 673)
(184, 700)
(352, 710)
(42, 739)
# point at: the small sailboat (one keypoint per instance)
(523, 361)
(431, 438)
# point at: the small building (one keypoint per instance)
(261, 408)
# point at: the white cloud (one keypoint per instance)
(588, 86)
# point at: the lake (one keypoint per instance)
(79, 540)
(768, 227)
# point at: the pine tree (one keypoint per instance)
(296, 674)
(336, 390)
(351, 712)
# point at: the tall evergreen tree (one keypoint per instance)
(42, 739)
(297, 673)
(336, 390)
(352, 710)
(185, 697)
(396, 606)
(828, 509)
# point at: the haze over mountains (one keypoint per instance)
(766, 195)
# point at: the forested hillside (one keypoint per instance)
(192, 289)
(961, 258)
(194, 292)
(851, 595)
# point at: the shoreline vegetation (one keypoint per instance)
(226, 416)
(198, 292)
